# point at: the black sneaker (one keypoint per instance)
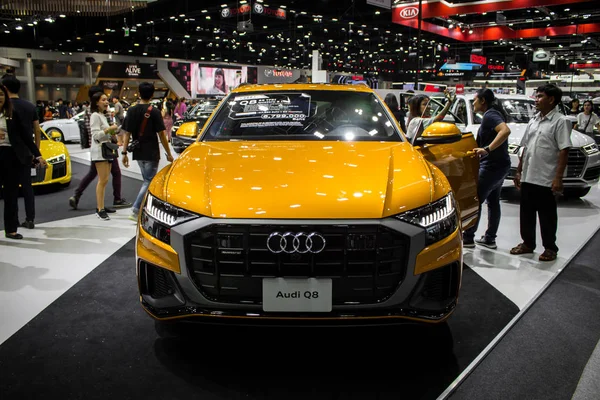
(110, 210)
(28, 224)
(122, 203)
(102, 214)
(490, 244)
(468, 244)
(73, 202)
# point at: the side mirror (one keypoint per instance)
(55, 136)
(439, 133)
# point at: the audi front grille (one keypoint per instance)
(365, 262)
(59, 170)
(575, 163)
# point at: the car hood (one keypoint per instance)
(70, 121)
(50, 148)
(299, 179)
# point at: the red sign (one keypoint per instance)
(496, 67)
(409, 12)
(273, 12)
(228, 12)
(478, 59)
(586, 65)
(403, 15)
(460, 89)
(442, 8)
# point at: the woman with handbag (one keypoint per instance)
(102, 150)
(587, 120)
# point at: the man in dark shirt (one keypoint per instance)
(63, 112)
(146, 153)
(29, 117)
(492, 149)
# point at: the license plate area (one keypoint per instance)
(297, 295)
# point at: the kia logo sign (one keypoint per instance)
(409, 12)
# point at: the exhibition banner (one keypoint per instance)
(122, 70)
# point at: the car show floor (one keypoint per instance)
(72, 324)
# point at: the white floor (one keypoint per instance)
(56, 255)
(520, 278)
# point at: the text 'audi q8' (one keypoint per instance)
(306, 203)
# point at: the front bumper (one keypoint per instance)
(583, 170)
(59, 173)
(426, 288)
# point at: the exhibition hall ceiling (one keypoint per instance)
(351, 35)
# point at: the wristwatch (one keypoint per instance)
(487, 149)
(124, 153)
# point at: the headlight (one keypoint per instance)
(439, 218)
(591, 148)
(57, 159)
(158, 217)
(513, 148)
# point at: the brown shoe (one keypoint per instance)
(521, 248)
(548, 255)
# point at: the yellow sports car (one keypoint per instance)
(306, 203)
(59, 162)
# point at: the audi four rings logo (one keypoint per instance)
(291, 242)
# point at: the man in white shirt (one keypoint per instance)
(540, 173)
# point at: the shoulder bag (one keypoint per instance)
(135, 144)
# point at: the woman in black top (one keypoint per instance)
(16, 150)
(494, 165)
(399, 114)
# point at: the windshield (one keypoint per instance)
(307, 115)
(202, 110)
(519, 111)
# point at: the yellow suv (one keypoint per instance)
(306, 202)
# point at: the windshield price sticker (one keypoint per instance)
(292, 106)
(270, 124)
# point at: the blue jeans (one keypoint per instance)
(489, 187)
(149, 170)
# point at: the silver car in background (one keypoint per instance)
(583, 166)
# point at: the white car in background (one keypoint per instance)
(67, 128)
(583, 166)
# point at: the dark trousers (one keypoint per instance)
(489, 187)
(115, 171)
(538, 200)
(28, 196)
(10, 174)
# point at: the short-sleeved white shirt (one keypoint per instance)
(413, 126)
(544, 138)
(582, 121)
